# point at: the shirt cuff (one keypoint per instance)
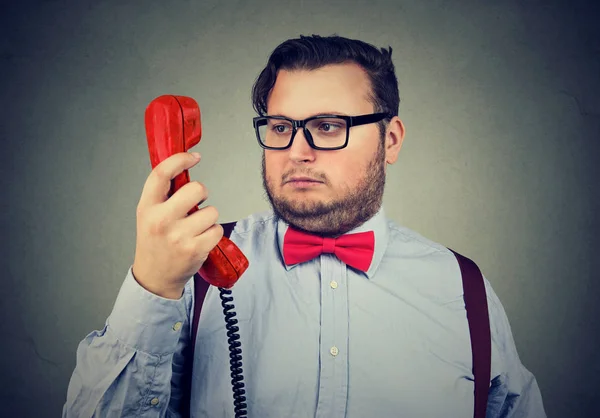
(145, 321)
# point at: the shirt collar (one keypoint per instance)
(377, 223)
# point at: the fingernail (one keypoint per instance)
(196, 155)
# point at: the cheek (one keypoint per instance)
(346, 172)
(273, 168)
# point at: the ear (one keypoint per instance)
(393, 139)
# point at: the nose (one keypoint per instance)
(301, 149)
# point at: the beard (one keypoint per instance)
(337, 216)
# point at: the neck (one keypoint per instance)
(332, 225)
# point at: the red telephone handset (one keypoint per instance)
(172, 126)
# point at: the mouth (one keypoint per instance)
(303, 182)
(303, 179)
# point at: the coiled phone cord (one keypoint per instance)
(235, 353)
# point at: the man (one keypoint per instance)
(384, 334)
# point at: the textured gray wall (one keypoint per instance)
(501, 101)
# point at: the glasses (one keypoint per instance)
(323, 132)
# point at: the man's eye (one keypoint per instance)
(329, 127)
(280, 129)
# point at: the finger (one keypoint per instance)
(158, 183)
(197, 223)
(209, 238)
(184, 199)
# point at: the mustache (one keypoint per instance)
(308, 173)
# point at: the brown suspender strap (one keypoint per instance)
(479, 328)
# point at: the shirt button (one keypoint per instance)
(177, 326)
(334, 351)
(333, 284)
(154, 401)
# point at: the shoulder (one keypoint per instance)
(439, 271)
(417, 246)
(415, 251)
(436, 271)
(426, 267)
(256, 224)
(442, 262)
(400, 235)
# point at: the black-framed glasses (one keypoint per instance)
(322, 132)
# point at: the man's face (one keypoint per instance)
(346, 186)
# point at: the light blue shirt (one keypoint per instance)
(319, 339)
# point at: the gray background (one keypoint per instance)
(502, 109)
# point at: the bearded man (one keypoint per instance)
(342, 312)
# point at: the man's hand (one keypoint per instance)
(170, 245)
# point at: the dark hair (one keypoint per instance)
(313, 52)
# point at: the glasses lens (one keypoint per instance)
(275, 133)
(325, 132)
(328, 132)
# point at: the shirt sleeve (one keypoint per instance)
(514, 393)
(134, 365)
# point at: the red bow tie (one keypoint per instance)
(356, 250)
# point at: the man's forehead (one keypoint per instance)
(333, 70)
(335, 88)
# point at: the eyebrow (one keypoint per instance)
(315, 114)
